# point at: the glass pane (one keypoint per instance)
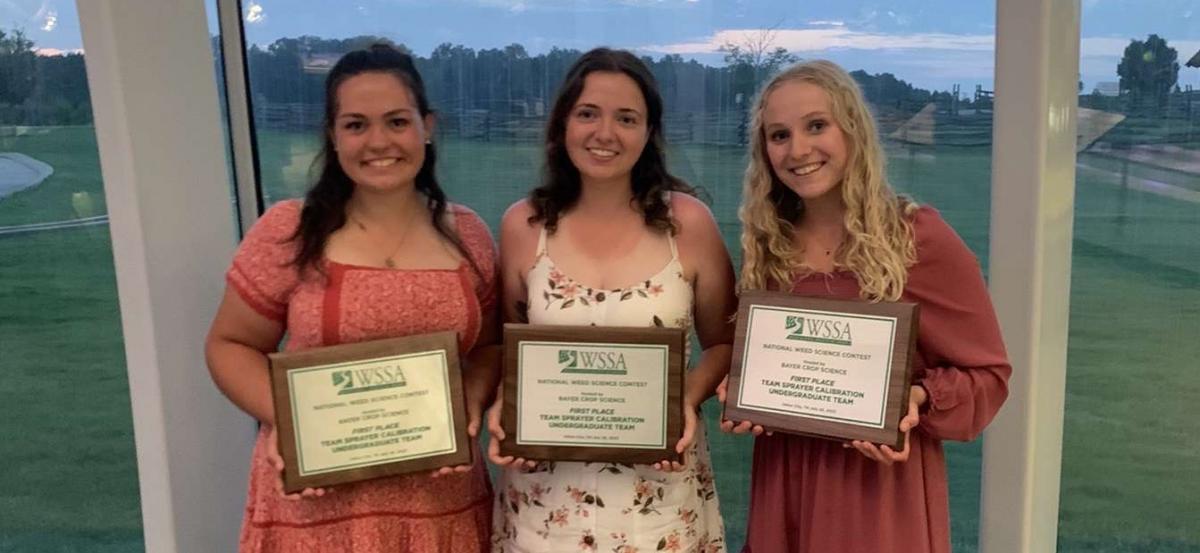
(70, 476)
(492, 68)
(1131, 474)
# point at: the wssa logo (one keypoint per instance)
(822, 331)
(366, 380)
(591, 362)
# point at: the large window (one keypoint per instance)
(70, 477)
(1130, 474)
(492, 69)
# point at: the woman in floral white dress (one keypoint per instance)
(610, 238)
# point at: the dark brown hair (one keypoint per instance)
(325, 204)
(560, 187)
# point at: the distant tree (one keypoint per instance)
(753, 59)
(61, 92)
(18, 63)
(1148, 70)
(884, 89)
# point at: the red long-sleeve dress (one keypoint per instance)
(814, 496)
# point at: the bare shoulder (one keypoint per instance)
(694, 218)
(519, 212)
(515, 222)
(518, 237)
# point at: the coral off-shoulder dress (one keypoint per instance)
(351, 304)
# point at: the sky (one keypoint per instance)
(932, 44)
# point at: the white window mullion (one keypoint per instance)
(1033, 193)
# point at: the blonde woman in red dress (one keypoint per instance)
(819, 219)
(374, 251)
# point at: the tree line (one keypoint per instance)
(52, 90)
(41, 90)
(509, 79)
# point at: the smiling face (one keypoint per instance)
(806, 147)
(607, 129)
(378, 131)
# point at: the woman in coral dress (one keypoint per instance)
(374, 251)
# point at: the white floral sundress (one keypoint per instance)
(605, 507)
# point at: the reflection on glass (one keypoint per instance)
(1129, 474)
(491, 69)
(70, 478)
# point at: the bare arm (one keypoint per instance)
(518, 245)
(236, 351)
(707, 262)
(483, 368)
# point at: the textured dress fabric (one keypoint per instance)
(574, 506)
(352, 304)
(813, 496)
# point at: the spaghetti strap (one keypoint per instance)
(671, 235)
(541, 247)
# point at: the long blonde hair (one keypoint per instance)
(879, 246)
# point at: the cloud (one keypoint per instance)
(817, 40)
(49, 52)
(826, 23)
(575, 6)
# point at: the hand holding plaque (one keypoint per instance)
(833, 369)
(358, 411)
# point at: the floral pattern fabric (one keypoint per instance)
(608, 507)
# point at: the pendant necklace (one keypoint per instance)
(388, 261)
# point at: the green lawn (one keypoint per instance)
(1131, 474)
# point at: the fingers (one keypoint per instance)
(743, 427)
(722, 389)
(670, 466)
(689, 431)
(275, 460)
(507, 460)
(880, 454)
(894, 456)
(309, 493)
(868, 450)
(494, 453)
(447, 471)
(493, 422)
(911, 419)
(306, 493)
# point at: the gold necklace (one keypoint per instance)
(828, 250)
(388, 261)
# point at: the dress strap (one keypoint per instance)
(671, 235)
(541, 247)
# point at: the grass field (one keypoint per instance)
(1131, 471)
